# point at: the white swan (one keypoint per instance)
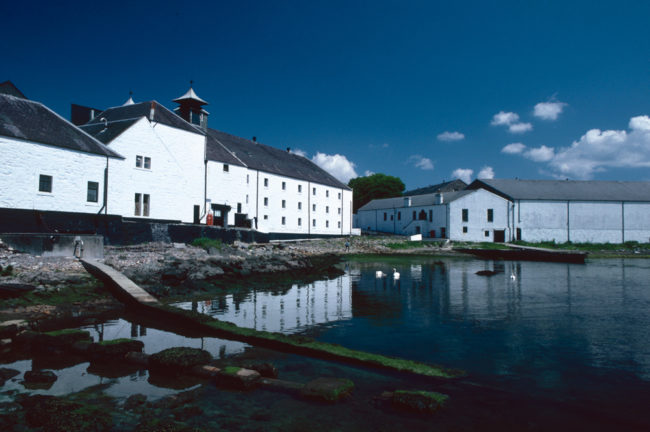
(395, 274)
(379, 274)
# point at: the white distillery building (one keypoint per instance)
(575, 211)
(177, 168)
(47, 163)
(143, 161)
(468, 215)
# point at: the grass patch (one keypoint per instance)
(409, 245)
(481, 245)
(114, 342)
(207, 243)
(90, 290)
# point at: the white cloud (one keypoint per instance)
(520, 127)
(337, 165)
(540, 154)
(503, 118)
(486, 173)
(464, 174)
(549, 110)
(421, 162)
(299, 152)
(511, 120)
(598, 150)
(595, 151)
(368, 173)
(513, 148)
(451, 136)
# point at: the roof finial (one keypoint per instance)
(130, 100)
(191, 82)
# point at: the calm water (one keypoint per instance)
(559, 346)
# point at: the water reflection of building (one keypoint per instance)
(300, 306)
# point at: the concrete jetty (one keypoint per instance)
(121, 286)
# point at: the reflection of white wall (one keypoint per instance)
(301, 306)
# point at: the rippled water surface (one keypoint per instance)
(545, 345)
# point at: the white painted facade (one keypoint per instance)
(174, 181)
(22, 164)
(582, 221)
(444, 219)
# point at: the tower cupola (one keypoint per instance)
(191, 108)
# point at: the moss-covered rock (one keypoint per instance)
(236, 377)
(181, 357)
(60, 415)
(419, 401)
(62, 338)
(40, 376)
(115, 348)
(328, 389)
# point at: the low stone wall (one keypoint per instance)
(57, 245)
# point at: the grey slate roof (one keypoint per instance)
(563, 190)
(33, 121)
(108, 133)
(142, 109)
(272, 160)
(416, 201)
(450, 186)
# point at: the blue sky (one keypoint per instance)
(524, 89)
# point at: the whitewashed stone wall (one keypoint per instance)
(477, 204)
(232, 187)
(583, 221)
(22, 163)
(288, 205)
(175, 181)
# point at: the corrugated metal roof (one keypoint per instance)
(273, 160)
(563, 190)
(33, 121)
(416, 201)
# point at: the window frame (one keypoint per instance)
(47, 181)
(95, 189)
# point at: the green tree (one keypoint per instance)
(373, 187)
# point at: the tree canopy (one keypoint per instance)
(373, 187)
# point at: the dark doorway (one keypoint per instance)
(443, 232)
(197, 214)
(417, 230)
(499, 236)
(518, 234)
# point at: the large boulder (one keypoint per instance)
(115, 348)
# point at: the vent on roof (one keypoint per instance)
(438, 199)
(407, 201)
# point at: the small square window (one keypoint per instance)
(93, 192)
(284, 220)
(385, 216)
(284, 185)
(339, 195)
(248, 178)
(266, 182)
(284, 204)
(226, 168)
(313, 191)
(464, 230)
(299, 206)
(45, 183)
(147, 162)
(414, 215)
(266, 217)
(313, 207)
(299, 222)
(327, 224)
(327, 194)
(266, 202)
(138, 161)
(339, 210)
(339, 224)
(299, 188)
(465, 215)
(487, 233)
(327, 209)
(246, 198)
(313, 222)
(138, 204)
(490, 215)
(399, 215)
